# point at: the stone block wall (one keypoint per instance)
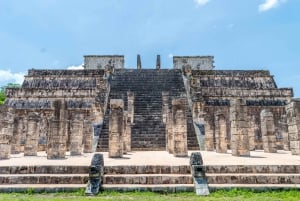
(194, 62)
(102, 61)
(293, 121)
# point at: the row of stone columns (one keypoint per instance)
(59, 140)
(243, 131)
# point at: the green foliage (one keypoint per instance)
(3, 88)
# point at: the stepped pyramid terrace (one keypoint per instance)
(163, 129)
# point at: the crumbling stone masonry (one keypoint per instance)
(57, 138)
(179, 127)
(293, 120)
(116, 128)
(268, 131)
(221, 133)
(6, 130)
(32, 137)
(239, 128)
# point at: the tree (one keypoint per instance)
(2, 91)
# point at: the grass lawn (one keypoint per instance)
(136, 196)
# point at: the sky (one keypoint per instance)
(240, 34)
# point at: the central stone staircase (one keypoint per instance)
(148, 129)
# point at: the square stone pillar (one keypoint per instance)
(76, 135)
(165, 105)
(209, 136)
(32, 136)
(239, 128)
(17, 134)
(283, 127)
(116, 128)
(169, 133)
(251, 132)
(293, 121)
(57, 138)
(179, 127)
(268, 131)
(130, 106)
(88, 136)
(126, 133)
(221, 133)
(6, 132)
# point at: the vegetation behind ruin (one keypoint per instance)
(2, 91)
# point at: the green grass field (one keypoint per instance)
(291, 195)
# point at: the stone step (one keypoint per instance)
(253, 169)
(253, 178)
(40, 188)
(43, 179)
(147, 169)
(256, 187)
(45, 169)
(148, 179)
(171, 188)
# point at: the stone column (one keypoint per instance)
(6, 131)
(116, 116)
(76, 136)
(88, 136)
(18, 132)
(251, 132)
(165, 105)
(169, 133)
(57, 138)
(268, 131)
(157, 62)
(239, 128)
(139, 62)
(285, 133)
(32, 136)
(179, 127)
(209, 135)
(221, 133)
(130, 106)
(127, 134)
(293, 121)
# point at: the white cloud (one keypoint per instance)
(201, 2)
(269, 4)
(7, 76)
(80, 67)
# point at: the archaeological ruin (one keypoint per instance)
(106, 107)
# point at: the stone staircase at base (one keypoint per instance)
(43, 178)
(178, 178)
(148, 178)
(259, 177)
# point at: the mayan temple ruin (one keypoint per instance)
(106, 107)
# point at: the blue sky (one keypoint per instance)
(241, 34)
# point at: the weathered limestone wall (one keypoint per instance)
(57, 139)
(179, 127)
(32, 137)
(6, 131)
(116, 128)
(221, 133)
(195, 62)
(293, 120)
(101, 61)
(239, 128)
(268, 131)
